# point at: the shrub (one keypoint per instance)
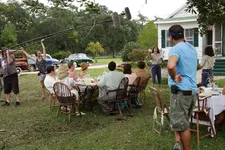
(61, 54)
(127, 49)
(137, 55)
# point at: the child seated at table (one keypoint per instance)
(63, 76)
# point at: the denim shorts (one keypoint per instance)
(181, 107)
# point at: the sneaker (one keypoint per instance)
(177, 146)
(81, 113)
(17, 103)
(6, 104)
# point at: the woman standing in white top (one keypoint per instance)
(207, 64)
(156, 58)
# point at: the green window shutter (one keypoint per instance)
(163, 37)
(195, 37)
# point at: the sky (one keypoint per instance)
(159, 8)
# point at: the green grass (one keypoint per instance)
(103, 61)
(33, 126)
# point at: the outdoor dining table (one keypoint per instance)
(215, 100)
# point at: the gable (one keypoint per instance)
(181, 12)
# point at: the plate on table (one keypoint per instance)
(205, 94)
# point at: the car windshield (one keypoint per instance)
(78, 56)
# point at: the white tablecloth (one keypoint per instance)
(216, 103)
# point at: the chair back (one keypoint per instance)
(201, 102)
(134, 87)
(122, 89)
(143, 83)
(157, 97)
(63, 93)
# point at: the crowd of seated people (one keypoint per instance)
(107, 82)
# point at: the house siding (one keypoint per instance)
(185, 25)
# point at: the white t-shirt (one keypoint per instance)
(207, 62)
(49, 82)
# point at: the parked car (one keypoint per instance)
(49, 61)
(78, 58)
(21, 60)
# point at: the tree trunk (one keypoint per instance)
(113, 54)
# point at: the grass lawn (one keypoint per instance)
(34, 126)
(103, 61)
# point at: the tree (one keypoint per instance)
(148, 36)
(128, 49)
(8, 36)
(95, 49)
(142, 19)
(209, 12)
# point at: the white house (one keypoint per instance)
(188, 21)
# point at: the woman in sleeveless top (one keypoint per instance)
(156, 58)
(41, 65)
(207, 64)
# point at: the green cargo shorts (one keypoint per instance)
(181, 107)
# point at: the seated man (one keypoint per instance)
(109, 81)
(50, 79)
(141, 72)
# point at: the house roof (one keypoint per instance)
(178, 19)
(180, 15)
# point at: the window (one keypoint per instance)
(189, 36)
(168, 43)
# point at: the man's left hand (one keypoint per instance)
(178, 78)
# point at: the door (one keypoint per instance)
(218, 39)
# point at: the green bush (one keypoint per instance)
(137, 55)
(61, 54)
(127, 49)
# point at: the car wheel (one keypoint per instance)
(32, 68)
(19, 71)
(88, 63)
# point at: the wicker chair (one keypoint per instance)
(65, 98)
(161, 110)
(121, 97)
(133, 91)
(143, 84)
(201, 116)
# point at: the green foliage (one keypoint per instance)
(210, 12)
(61, 54)
(148, 36)
(95, 49)
(137, 55)
(8, 36)
(127, 49)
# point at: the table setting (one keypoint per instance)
(215, 100)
